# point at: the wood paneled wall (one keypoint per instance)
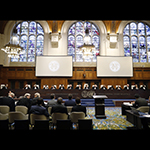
(80, 74)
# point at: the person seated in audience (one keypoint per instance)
(79, 87)
(70, 87)
(135, 87)
(25, 101)
(61, 87)
(70, 102)
(53, 87)
(36, 96)
(139, 101)
(26, 87)
(86, 87)
(111, 87)
(35, 86)
(79, 107)
(9, 101)
(45, 86)
(94, 87)
(127, 87)
(5, 87)
(103, 87)
(38, 108)
(59, 108)
(52, 101)
(118, 87)
(143, 87)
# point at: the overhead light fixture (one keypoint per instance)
(87, 48)
(12, 48)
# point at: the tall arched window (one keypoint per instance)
(31, 37)
(136, 38)
(76, 34)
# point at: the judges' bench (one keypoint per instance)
(84, 94)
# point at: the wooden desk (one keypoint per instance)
(137, 120)
(84, 94)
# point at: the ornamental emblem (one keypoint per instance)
(114, 66)
(53, 66)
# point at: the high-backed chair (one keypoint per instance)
(144, 109)
(74, 116)
(49, 110)
(22, 109)
(12, 116)
(4, 109)
(60, 116)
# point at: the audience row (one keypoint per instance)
(38, 106)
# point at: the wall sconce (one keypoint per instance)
(55, 37)
(113, 39)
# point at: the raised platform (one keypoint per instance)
(83, 94)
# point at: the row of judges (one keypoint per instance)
(86, 86)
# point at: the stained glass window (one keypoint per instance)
(136, 37)
(76, 35)
(31, 37)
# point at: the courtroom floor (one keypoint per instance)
(114, 120)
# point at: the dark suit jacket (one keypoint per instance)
(9, 102)
(79, 108)
(59, 109)
(140, 102)
(70, 103)
(25, 102)
(40, 110)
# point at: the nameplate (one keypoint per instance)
(99, 96)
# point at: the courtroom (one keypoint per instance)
(74, 75)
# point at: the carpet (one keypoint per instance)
(114, 120)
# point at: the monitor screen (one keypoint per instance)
(114, 66)
(60, 66)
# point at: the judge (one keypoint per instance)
(94, 87)
(78, 87)
(45, 86)
(35, 86)
(86, 87)
(70, 87)
(61, 87)
(118, 87)
(104, 87)
(26, 87)
(53, 87)
(127, 87)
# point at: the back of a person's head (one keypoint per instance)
(69, 96)
(52, 96)
(78, 101)
(39, 101)
(59, 100)
(136, 95)
(37, 94)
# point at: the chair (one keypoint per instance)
(35, 116)
(4, 109)
(22, 109)
(12, 116)
(3, 116)
(49, 110)
(85, 124)
(56, 116)
(64, 125)
(69, 108)
(74, 116)
(143, 109)
(41, 125)
(21, 124)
